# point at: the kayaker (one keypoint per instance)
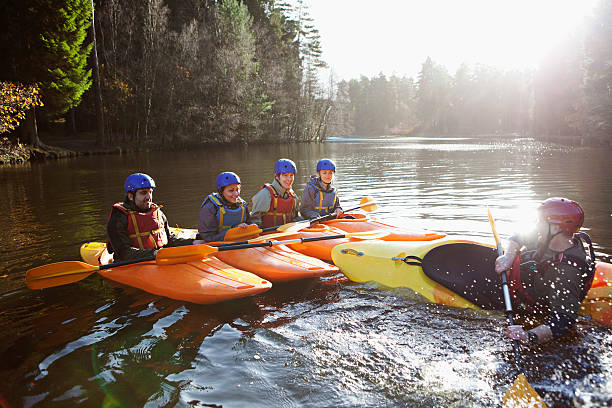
(276, 203)
(320, 197)
(223, 209)
(549, 271)
(137, 227)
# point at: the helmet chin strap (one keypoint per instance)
(549, 237)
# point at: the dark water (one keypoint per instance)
(323, 342)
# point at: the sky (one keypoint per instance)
(362, 37)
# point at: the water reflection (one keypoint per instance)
(326, 342)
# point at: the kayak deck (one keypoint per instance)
(204, 281)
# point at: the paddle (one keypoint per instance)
(367, 204)
(167, 256)
(521, 393)
(62, 273)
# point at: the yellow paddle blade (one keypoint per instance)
(522, 395)
(58, 273)
(181, 254)
(368, 204)
(239, 234)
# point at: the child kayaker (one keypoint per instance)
(320, 196)
(276, 203)
(549, 272)
(137, 227)
(223, 209)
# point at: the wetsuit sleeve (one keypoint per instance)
(208, 227)
(307, 207)
(261, 204)
(120, 244)
(565, 295)
(173, 240)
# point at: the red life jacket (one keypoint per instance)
(146, 230)
(281, 209)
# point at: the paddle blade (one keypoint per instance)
(293, 227)
(59, 273)
(239, 234)
(182, 254)
(368, 204)
(522, 395)
(270, 237)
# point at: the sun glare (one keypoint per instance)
(396, 36)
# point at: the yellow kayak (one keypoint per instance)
(454, 272)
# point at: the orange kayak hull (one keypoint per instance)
(205, 281)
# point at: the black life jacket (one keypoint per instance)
(525, 270)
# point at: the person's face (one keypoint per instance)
(326, 176)
(286, 180)
(231, 192)
(143, 197)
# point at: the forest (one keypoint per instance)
(188, 72)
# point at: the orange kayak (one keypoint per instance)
(361, 223)
(205, 281)
(276, 264)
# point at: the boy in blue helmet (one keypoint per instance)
(320, 197)
(276, 203)
(137, 227)
(223, 209)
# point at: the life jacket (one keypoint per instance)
(281, 209)
(325, 199)
(146, 230)
(227, 217)
(525, 270)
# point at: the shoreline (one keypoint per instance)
(84, 144)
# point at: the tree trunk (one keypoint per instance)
(29, 130)
(100, 139)
(71, 123)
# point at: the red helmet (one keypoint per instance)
(563, 212)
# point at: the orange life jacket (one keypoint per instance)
(281, 209)
(146, 230)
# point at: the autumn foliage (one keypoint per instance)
(15, 100)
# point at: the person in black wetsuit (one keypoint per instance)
(549, 271)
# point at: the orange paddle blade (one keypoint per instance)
(368, 204)
(522, 395)
(181, 254)
(239, 234)
(59, 273)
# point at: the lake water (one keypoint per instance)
(316, 343)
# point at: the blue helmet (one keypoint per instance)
(326, 164)
(226, 178)
(138, 180)
(284, 166)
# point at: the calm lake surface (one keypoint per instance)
(315, 343)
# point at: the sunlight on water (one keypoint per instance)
(320, 342)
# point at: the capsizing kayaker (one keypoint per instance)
(320, 196)
(276, 203)
(223, 209)
(137, 227)
(549, 271)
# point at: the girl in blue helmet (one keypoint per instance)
(223, 209)
(320, 197)
(276, 203)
